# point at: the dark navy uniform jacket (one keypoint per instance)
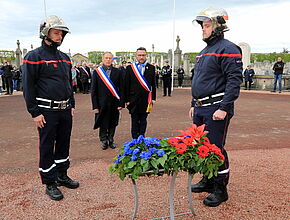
(218, 69)
(46, 74)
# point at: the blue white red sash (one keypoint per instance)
(85, 70)
(107, 81)
(144, 84)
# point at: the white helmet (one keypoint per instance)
(217, 15)
(50, 22)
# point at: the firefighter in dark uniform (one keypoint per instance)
(215, 87)
(166, 77)
(48, 93)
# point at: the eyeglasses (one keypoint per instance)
(141, 55)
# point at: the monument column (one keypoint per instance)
(186, 64)
(177, 54)
(169, 57)
(18, 55)
(246, 50)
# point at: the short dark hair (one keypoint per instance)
(124, 62)
(142, 48)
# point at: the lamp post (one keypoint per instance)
(173, 42)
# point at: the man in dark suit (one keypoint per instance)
(167, 78)
(140, 92)
(107, 99)
(85, 76)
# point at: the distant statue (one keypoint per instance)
(177, 41)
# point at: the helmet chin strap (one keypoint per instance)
(213, 35)
(53, 43)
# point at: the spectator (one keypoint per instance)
(180, 76)
(7, 69)
(166, 77)
(278, 72)
(15, 78)
(248, 75)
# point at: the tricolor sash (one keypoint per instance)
(85, 70)
(144, 84)
(107, 81)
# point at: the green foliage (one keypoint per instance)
(7, 55)
(95, 56)
(192, 57)
(272, 57)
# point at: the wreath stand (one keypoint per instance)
(171, 198)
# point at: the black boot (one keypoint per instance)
(64, 180)
(104, 145)
(218, 196)
(204, 185)
(112, 145)
(111, 137)
(53, 192)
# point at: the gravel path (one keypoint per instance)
(258, 146)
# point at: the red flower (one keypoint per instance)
(202, 151)
(189, 141)
(220, 155)
(181, 148)
(173, 141)
(214, 148)
(196, 132)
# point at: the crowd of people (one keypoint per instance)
(82, 76)
(10, 79)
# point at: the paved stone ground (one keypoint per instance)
(258, 145)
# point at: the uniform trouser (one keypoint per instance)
(167, 86)
(138, 124)
(107, 134)
(54, 144)
(217, 135)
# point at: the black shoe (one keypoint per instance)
(104, 145)
(280, 91)
(169, 95)
(204, 185)
(273, 91)
(219, 195)
(164, 95)
(64, 180)
(112, 145)
(53, 192)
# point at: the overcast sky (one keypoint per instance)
(124, 25)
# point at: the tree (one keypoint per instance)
(95, 56)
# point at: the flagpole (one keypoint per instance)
(173, 44)
(44, 8)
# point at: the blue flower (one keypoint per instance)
(136, 151)
(160, 152)
(152, 150)
(140, 139)
(127, 150)
(129, 143)
(148, 141)
(145, 155)
(157, 143)
(119, 159)
(134, 157)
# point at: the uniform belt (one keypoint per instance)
(209, 100)
(51, 104)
